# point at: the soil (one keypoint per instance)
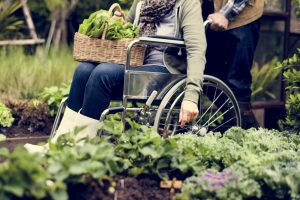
(32, 124)
(127, 188)
(32, 119)
(143, 188)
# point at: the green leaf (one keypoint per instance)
(14, 189)
(149, 151)
(135, 171)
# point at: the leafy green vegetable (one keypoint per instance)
(6, 118)
(240, 164)
(53, 96)
(95, 21)
(23, 175)
(116, 27)
(231, 184)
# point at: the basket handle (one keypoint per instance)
(111, 9)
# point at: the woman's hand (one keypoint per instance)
(119, 14)
(189, 111)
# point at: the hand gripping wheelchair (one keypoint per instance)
(162, 94)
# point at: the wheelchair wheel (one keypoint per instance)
(218, 109)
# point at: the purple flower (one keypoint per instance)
(217, 180)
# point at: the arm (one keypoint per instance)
(194, 37)
(233, 8)
(220, 19)
(131, 14)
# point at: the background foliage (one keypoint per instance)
(9, 24)
(292, 76)
(27, 75)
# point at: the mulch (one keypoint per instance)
(127, 188)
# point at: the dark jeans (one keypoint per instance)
(230, 57)
(95, 85)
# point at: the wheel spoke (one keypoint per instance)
(218, 109)
(212, 104)
(219, 116)
(216, 113)
(223, 124)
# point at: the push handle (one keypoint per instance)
(207, 22)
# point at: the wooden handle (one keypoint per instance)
(111, 9)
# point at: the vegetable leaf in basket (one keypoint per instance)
(117, 29)
(94, 25)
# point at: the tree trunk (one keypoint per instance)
(57, 36)
(60, 36)
(64, 29)
(61, 30)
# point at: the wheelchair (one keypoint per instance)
(161, 95)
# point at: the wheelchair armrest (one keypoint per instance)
(154, 40)
(163, 41)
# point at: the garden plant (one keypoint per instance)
(129, 162)
(240, 164)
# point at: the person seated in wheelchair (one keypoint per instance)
(95, 85)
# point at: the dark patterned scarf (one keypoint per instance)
(152, 12)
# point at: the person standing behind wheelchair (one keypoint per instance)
(95, 85)
(232, 40)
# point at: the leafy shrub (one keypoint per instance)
(268, 157)
(292, 75)
(231, 184)
(264, 80)
(22, 174)
(53, 96)
(67, 163)
(84, 161)
(9, 24)
(147, 153)
(6, 118)
(241, 164)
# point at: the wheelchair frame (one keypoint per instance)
(149, 89)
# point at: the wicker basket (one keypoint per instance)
(111, 51)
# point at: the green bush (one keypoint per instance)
(241, 164)
(69, 162)
(53, 96)
(265, 79)
(9, 24)
(266, 162)
(230, 184)
(292, 75)
(22, 174)
(6, 118)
